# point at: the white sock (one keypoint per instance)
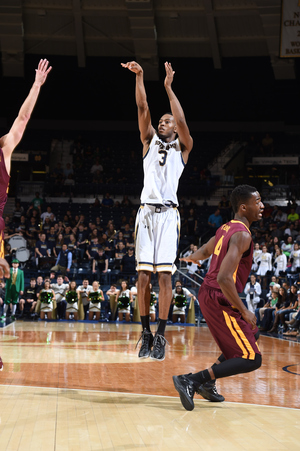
(5, 309)
(13, 309)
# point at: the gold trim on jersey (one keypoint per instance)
(234, 221)
(2, 253)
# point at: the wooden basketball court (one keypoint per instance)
(79, 386)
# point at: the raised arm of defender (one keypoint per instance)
(202, 253)
(14, 136)
(239, 244)
(146, 129)
(178, 114)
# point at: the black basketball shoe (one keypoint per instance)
(159, 345)
(186, 390)
(209, 391)
(147, 342)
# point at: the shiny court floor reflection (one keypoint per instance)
(54, 373)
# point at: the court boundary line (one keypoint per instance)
(213, 404)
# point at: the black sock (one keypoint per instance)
(161, 326)
(146, 322)
(200, 378)
(221, 359)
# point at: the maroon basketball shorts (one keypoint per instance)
(231, 332)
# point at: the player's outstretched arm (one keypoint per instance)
(4, 268)
(177, 112)
(202, 253)
(144, 117)
(14, 136)
(239, 244)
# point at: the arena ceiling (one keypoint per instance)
(145, 30)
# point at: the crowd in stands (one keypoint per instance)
(61, 244)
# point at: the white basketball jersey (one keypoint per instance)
(163, 166)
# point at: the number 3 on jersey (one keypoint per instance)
(218, 246)
(164, 155)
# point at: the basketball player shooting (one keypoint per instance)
(165, 154)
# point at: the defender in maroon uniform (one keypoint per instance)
(232, 325)
(8, 143)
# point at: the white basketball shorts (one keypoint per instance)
(156, 238)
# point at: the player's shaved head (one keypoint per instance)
(240, 195)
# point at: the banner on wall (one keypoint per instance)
(276, 161)
(290, 29)
(19, 157)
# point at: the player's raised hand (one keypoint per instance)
(4, 269)
(42, 71)
(169, 74)
(133, 66)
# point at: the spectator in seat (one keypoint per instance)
(288, 246)
(264, 262)
(47, 214)
(293, 216)
(31, 232)
(96, 167)
(18, 212)
(280, 217)
(119, 254)
(100, 265)
(191, 223)
(92, 250)
(127, 265)
(253, 292)
(37, 202)
(72, 244)
(29, 299)
(126, 202)
(58, 245)
(225, 208)
(107, 201)
(63, 261)
(215, 220)
(68, 171)
(280, 262)
(82, 241)
(41, 249)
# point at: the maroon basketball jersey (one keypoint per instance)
(4, 182)
(241, 274)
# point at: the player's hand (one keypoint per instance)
(250, 318)
(188, 259)
(4, 268)
(42, 71)
(133, 66)
(169, 74)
